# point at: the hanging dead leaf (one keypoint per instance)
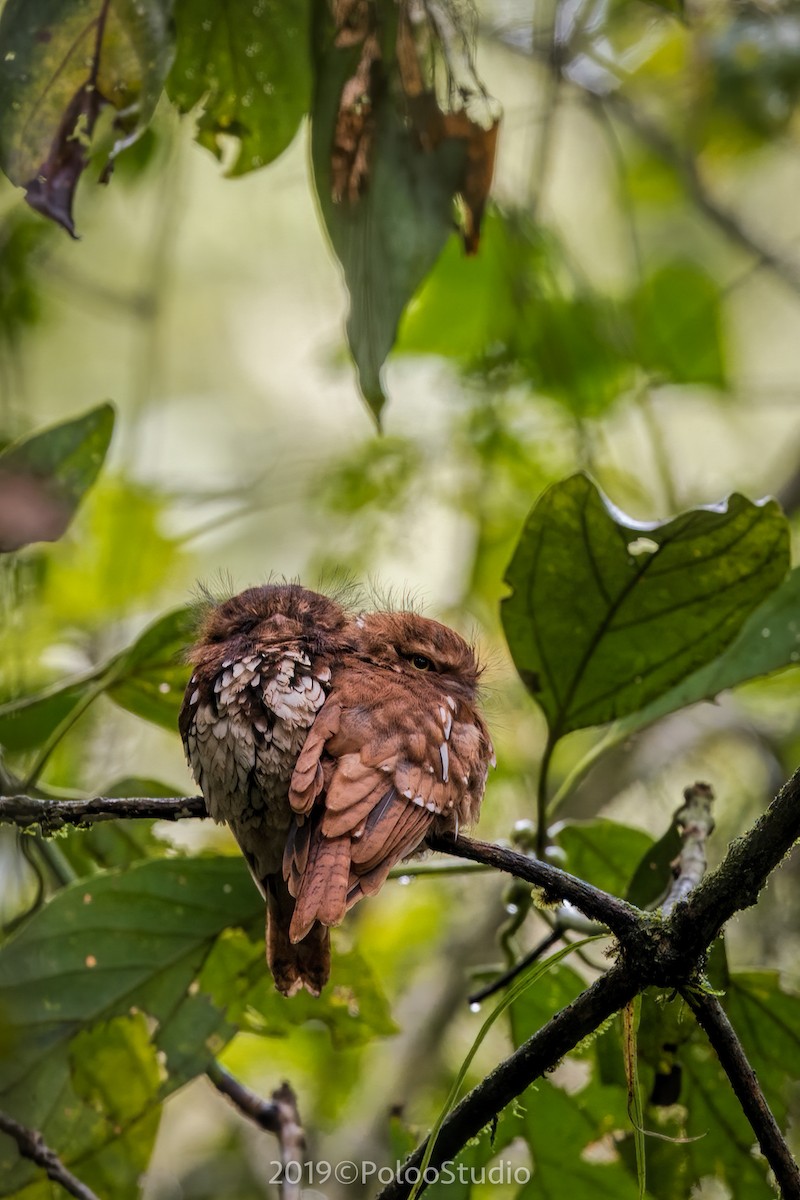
(354, 131)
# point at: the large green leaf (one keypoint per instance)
(768, 641)
(61, 63)
(561, 1128)
(160, 948)
(249, 62)
(391, 235)
(44, 477)
(607, 614)
(101, 950)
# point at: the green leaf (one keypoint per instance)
(702, 1104)
(23, 243)
(28, 722)
(560, 1127)
(102, 949)
(677, 315)
(510, 311)
(354, 1007)
(248, 61)
(149, 677)
(533, 974)
(390, 236)
(534, 1007)
(63, 62)
(768, 641)
(653, 874)
(607, 614)
(767, 1019)
(602, 852)
(44, 477)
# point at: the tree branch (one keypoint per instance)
(540, 1053)
(713, 1021)
(621, 918)
(52, 815)
(277, 1115)
(32, 1145)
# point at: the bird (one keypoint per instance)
(398, 750)
(263, 662)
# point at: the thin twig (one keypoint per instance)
(694, 822)
(277, 1115)
(737, 881)
(32, 1145)
(511, 974)
(713, 1021)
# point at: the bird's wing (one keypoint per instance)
(368, 786)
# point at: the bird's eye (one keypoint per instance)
(421, 662)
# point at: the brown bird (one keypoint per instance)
(399, 750)
(263, 663)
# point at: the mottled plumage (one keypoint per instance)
(399, 750)
(262, 669)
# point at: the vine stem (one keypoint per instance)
(541, 797)
(60, 731)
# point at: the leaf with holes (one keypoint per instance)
(61, 63)
(104, 949)
(249, 63)
(606, 614)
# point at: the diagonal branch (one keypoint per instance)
(621, 918)
(713, 1021)
(540, 1053)
(32, 1145)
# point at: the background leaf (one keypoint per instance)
(602, 852)
(44, 477)
(249, 63)
(152, 961)
(149, 677)
(607, 614)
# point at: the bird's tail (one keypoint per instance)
(294, 965)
